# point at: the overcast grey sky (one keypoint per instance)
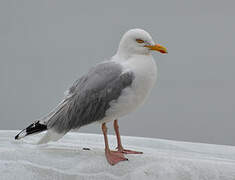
(45, 45)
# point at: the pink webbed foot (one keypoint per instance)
(113, 157)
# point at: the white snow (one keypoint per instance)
(65, 159)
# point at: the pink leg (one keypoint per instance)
(119, 147)
(113, 157)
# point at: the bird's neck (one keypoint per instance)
(139, 62)
(123, 54)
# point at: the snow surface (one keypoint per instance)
(66, 159)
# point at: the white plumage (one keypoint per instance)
(145, 72)
(110, 90)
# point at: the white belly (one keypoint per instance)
(145, 72)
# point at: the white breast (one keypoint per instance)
(145, 72)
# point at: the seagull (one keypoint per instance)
(107, 92)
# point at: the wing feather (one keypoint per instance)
(89, 97)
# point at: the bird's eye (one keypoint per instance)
(139, 41)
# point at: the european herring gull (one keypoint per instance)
(109, 91)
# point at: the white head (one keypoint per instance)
(138, 41)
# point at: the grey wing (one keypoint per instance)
(89, 97)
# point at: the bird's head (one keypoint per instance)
(138, 41)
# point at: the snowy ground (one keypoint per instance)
(162, 159)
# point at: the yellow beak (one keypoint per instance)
(157, 47)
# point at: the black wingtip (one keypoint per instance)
(16, 137)
(33, 128)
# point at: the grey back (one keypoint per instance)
(89, 97)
